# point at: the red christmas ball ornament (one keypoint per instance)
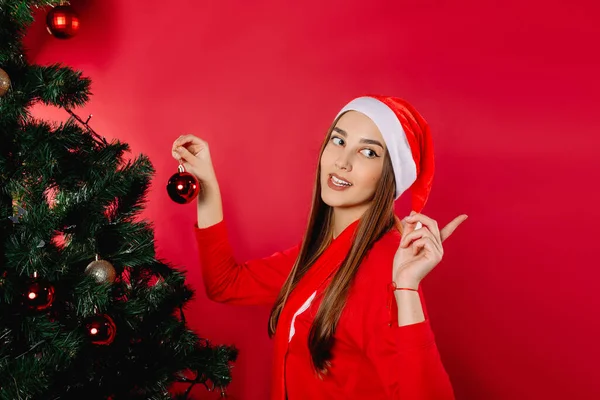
(38, 294)
(183, 187)
(100, 329)
(62, 22)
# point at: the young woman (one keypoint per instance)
(348, 317)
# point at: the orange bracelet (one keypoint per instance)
(391, 288)
(394, 287)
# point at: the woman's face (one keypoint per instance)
(352, 162)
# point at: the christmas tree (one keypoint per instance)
(87, 311)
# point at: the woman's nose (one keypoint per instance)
(343, 163)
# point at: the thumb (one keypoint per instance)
(417, 225)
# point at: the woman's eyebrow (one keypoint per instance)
(367, 141)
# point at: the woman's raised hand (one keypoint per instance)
(194, 154)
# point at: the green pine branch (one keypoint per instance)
(68, 196)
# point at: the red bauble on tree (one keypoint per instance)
(100, 329)
(183, 187)
(62, 22)
(38, 294)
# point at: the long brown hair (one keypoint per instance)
(374, 223)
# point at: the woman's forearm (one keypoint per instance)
(410, 310)
(209, 205)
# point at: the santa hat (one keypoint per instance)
(409, 143)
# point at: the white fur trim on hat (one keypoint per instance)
(405, 170)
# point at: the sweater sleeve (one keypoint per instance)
(406, 357)
(256, 282)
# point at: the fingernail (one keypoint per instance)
(413, 212)
(410, 218)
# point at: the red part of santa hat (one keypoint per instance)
(408, 139)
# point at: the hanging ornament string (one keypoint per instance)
(99, 139)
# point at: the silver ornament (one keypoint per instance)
(102, 271)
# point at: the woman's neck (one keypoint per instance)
(343, 217)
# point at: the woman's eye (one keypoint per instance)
(369, 153)
(337, 140)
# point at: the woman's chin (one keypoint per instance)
(334, 199)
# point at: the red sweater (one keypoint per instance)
(373, 357)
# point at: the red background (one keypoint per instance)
(509, 89)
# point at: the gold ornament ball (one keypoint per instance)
(4, 82)
(102, 271)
